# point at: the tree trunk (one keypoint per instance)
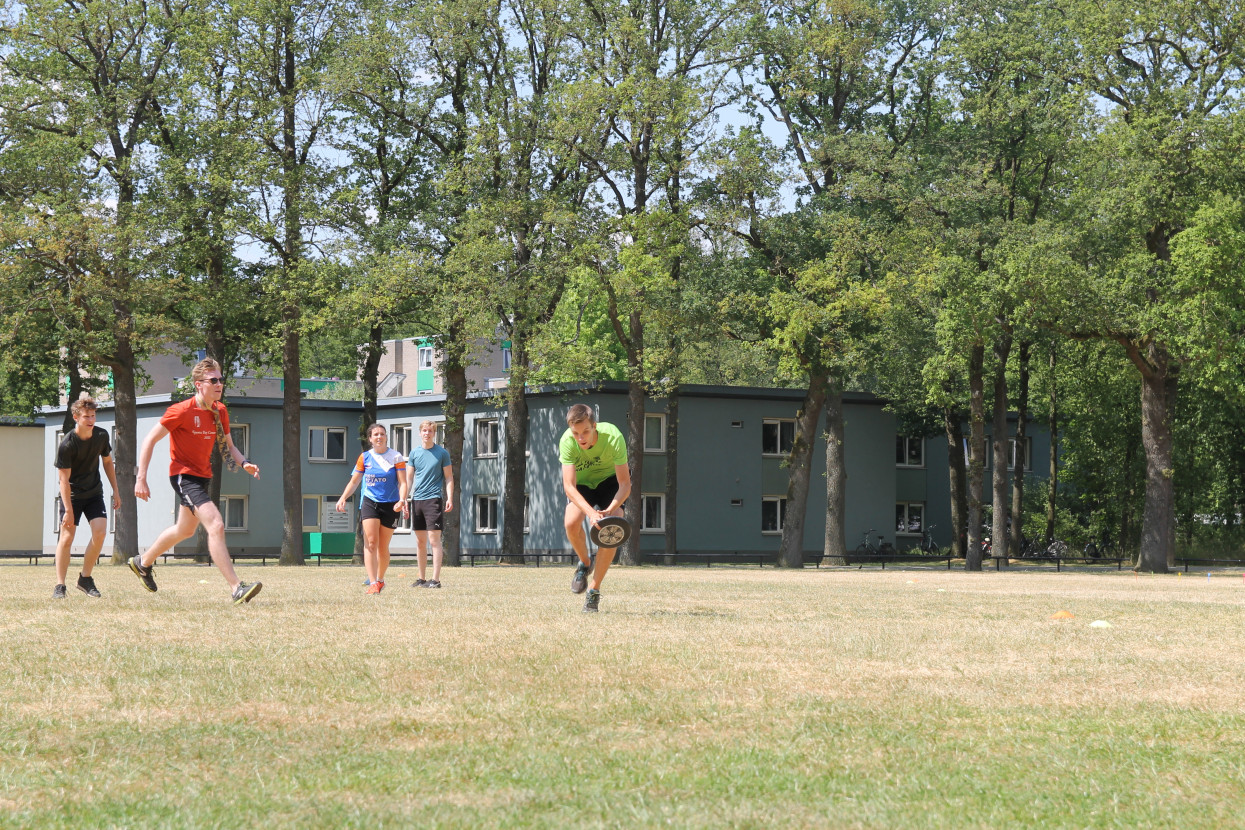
(999, 530)
(370, 368)
(629, 553)
(791, 552)
(125, 541)
(1052, 425)
(834, 549)
(953, 426)
(976, 453)
(291, 452)
(1158, 395)
(672, 475)
(454, 371)
(515, 436)
(73, 371)
(1022, 457)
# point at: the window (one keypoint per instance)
(505, 359)
(654, 433)
(1011, 453)
(424, 357)
(233, 510)
(527, 503)
(773, 512)
(400, 438)
(241, 435)
(909, 517)
(909, 452)
(326, 444)
(777, 436)
(486, 514)
(486, 437)
(653, 514)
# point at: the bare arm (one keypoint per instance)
(63, 474)
(448, 472)
(355, 478)
(241, 459)
(110, 470)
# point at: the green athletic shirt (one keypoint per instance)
(592, 466)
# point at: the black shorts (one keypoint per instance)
(384, 511)
(192, 491)
(426, 514)
(601, 495)
(93, 508)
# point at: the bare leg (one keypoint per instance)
(215, 527)
(187, 521)
(438, 553)
(99, 529)
(421, 551)
(573, 521)
(62, 553)
(382, 551)
(371, 545)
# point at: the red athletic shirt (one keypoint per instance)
(192, 431)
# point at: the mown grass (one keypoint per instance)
(697, 698)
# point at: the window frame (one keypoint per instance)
(661, 512)
(326, 459)
(778, 423)
(245, 431)
(1011, 452)
(781, 501)
(495, 438)
(908, 441)
(482, 505)
(425, 357)
(660, 417)
(246, 512)
(907, 517)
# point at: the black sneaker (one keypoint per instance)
(86, 584)
(579, 582)
(419, 583)
(58, 592)
(433, 583)
(592, 603)
(245, 592)
(146, 574)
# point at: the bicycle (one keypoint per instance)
(867, 546)
(926, 545)
(1043, 548)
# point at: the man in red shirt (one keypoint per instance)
(193, 427)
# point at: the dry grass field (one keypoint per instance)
(702, 697)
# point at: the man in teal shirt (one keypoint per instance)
(428, 470)
(597, 482)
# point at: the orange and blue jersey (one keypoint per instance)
(381, 474)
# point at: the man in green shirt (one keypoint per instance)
(597, 482)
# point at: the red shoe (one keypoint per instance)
(372, 588)
(380, 586)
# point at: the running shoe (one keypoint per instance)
(146, 574)
(86, 584)
(371, 588)
(58, 592)
(433, 583)
(419, 583)
(245, 592)
(579, 582)
(592, 604)
(380, 586)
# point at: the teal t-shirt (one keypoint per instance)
(429, 466)
(596, 464)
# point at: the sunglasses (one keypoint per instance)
(212, 381)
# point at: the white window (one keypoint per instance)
(400, 438)
(909, 452)
(777, 436)
(654, 433)
(326, 444)
(909, 517)
(233, 509)
(653, 517)
(486, 514)
(1012, 446)
(241, 435)
(486, 438)
(773, 513)
(424, 357)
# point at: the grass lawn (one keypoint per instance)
(710, 697)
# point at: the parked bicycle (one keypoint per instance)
(868, 546)
(926, 544)
(1043, 548)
